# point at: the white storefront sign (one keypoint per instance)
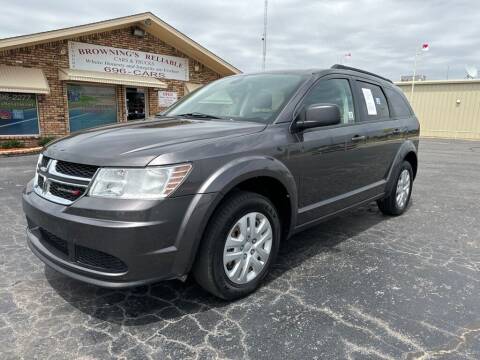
(167, 98)
(123, 61)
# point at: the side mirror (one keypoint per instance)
(317, 115)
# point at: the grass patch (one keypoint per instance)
(11, 144)
(45, 140)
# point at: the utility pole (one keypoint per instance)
(264, 38)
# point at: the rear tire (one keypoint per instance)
(396, 202)
(239, 246)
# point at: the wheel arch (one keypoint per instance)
(411, 157)
(408, 152)
(264, 175)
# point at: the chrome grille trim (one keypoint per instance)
(44, 191)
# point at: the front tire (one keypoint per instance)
(396, 202)
(239, 246)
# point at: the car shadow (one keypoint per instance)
(172, 299)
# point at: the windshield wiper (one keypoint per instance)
(200, 115)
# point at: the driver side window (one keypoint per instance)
(334, 91)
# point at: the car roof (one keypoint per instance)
(286, 72)
(335, 69)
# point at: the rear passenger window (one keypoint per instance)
(398, 104)
(373, 102)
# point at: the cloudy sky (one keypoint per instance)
(381, 35)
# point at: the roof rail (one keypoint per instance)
(343, 67)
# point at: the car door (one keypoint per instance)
(385, 130)
(333, 157)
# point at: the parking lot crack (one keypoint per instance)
(387, 328)
(451, 350)
(351, 348)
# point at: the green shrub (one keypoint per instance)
(11, 144)
(45, 140)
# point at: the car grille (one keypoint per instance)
(82, 255)
(64, 191)
(78, 170)
(45, 161)
(63, 182)
(41, 181)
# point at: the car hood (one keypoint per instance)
(137, 143)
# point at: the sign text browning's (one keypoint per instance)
(124, 61)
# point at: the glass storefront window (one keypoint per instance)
(18, 114)
(90, 106)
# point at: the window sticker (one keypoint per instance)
(369, 102)
(350, 115)
(378, 101)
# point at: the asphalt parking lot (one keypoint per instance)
(361, 286)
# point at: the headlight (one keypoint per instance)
(147, 183)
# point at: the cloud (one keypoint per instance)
(382, 36)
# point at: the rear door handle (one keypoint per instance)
(358, 138)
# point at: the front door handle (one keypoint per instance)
(358, 138)
(396, 131)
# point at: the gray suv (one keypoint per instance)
(212, 186)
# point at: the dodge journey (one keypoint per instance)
(211, 186)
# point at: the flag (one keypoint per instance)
(425, 47)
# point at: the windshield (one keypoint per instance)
(258, 97)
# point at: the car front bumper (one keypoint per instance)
(117, 243)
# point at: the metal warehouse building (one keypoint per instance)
(56, 82)
(446, 108)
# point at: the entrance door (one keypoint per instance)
(136, 103)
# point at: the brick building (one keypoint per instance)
(129, 68)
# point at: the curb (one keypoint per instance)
(27, 151)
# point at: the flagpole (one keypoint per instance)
(424, 47)
(414, 75)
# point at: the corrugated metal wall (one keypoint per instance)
(439, 113)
